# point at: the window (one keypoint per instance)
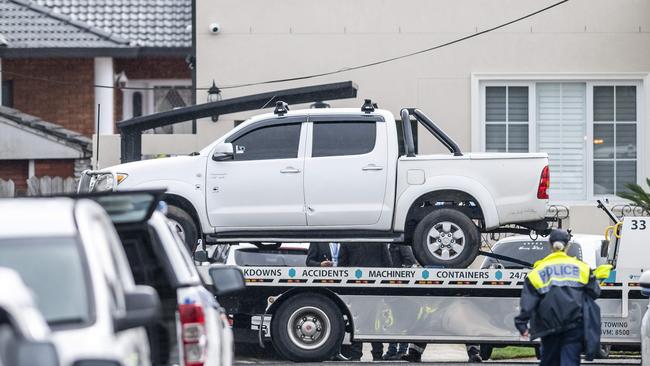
(343, 138)
(272, 142)
(560, 118)
(8, 93)
(58, 279)
(157, 95)
(615, 130)
(506, 118)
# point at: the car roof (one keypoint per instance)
(34, 217)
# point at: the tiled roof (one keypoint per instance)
(145, 23)
(65, 136)
(27, 25)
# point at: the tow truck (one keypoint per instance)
(307, 312)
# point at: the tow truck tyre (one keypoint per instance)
(307, 327)
(185, 227)
(446, 238)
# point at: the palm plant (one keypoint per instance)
(637, 194)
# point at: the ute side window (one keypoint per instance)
(271, 142)
(343, 138)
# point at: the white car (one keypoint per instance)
(585, 247)
(337, 175)
(246, 254)
(193, 328)
(645, 324)
(68, 253)
(24, 334)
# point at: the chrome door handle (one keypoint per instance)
(290, 170)
(372, 167)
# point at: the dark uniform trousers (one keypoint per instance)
(562, 349)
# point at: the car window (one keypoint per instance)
(278, 258)
(271, 142)
(343, 138)
(53, 268)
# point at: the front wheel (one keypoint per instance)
(446, 238)
(307, 327)
(184, 226)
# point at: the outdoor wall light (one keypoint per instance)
(214, 95)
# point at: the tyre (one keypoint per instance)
(307, 327)
(185, 227)
(446, 238)
(485, 351)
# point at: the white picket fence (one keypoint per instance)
(40, 186)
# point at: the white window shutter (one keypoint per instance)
(561, 130)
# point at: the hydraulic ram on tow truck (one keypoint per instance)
(305, 312)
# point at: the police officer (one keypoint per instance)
(552, 300)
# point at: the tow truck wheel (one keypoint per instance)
(185, 227)
(446, 238)
(307, 327)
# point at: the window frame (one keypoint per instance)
(478, 133)
(147, 94)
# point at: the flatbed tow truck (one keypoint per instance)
(307, 312)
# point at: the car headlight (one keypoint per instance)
(102, 182)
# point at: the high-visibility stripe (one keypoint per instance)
(558, 269)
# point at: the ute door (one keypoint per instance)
(262, 186)
(346, 170)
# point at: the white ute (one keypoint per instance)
(337, 174)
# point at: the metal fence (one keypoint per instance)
(39, 186)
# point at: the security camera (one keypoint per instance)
(215, 28)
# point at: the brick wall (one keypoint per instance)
(149, 68)
(15, 170)
(54, 168)
(71, 106)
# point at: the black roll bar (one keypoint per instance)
(407, 132)
(425, 121)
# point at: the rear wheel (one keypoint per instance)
(185, 227)
(307, 327)
(446, 238)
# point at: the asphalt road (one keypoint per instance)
(615, 361)
(435, 354)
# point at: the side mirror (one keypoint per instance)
(223, 152)
(227, 280)
(644, 282)
(142, 308)
(28, 353)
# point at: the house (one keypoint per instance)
(32, 147)
(54, 52)
(571, 81)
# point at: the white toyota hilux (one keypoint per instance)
(344, 175)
